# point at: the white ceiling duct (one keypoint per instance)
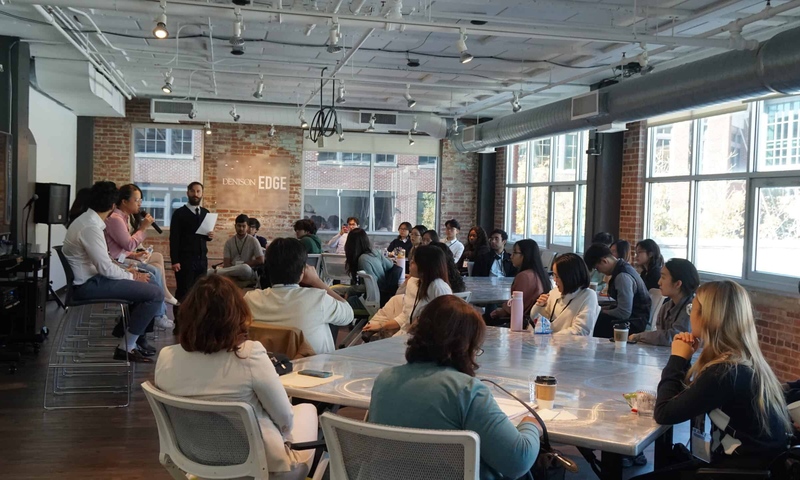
(80, 87)
(174, 111)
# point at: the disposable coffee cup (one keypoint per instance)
(545, 389)
(621, 335)
(469, 268)
(794, 412)
(593, 286)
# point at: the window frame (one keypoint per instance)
(753, 179)
(557, 147)
(371, 192)
(168, 140)
(168, 126)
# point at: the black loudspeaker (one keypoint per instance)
(52, 206)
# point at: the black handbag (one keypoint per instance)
(550, 464)
(281, 363)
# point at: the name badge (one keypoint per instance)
(239, 262)
(701, 445)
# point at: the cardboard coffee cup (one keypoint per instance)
(794, 412)
(545, 391)
(621, 334)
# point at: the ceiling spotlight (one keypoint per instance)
(407, 96)
(160, 31)
(333, 39)
(193, 112)
(341, 137)
(461, 45)
(271, 132)
(168, 80)
(371, 127)
(303, 123)
(259, 89)
(410, 140)
(414, 126)
(455, 127)
(340, 98)
(208, 128)
(339, 131)
(515, 106)
(234, 115)
(236, 41)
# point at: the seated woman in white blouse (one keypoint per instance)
(428, 280)
(572, 306)
(215, 361)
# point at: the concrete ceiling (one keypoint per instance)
(543, 50)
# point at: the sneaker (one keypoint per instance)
(163, 322)
(172, 301)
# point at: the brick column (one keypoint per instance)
(459, 188)
(634, 161)
(500, 189)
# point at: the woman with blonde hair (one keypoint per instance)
(730, 382)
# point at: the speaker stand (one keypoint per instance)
(47, 271)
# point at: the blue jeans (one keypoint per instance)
(146, 298)
(155, 277)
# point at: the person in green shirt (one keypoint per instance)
(437, 389)
(306, 231)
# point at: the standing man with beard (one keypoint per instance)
(188, 251)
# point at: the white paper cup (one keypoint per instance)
(469, 268)
(794, 412)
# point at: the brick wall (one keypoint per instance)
(459, 188)
(500, 189)
(634, 160)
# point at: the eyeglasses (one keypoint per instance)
(479, 352)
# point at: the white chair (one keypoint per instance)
(315, 260)
(548, 256)
(466, 296)
(366, 451)
(211, 440)
(372, 299)
(656, 300)
(333, 268)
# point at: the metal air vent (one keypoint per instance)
(468, 134)
(586, 105)
(380, 118)
(163, 107)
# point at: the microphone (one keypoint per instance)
(30, 202)
(155, 226)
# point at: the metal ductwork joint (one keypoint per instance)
(774, 67)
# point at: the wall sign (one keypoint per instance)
(253, 183)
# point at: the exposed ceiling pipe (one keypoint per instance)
(773, 68)
(340, 64)
(120, 86)
(259, 114)
(265, 14)
(767, 12)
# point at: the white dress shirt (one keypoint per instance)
(193, 208)
(456, 247)
(497, 266)
(412, 308)
(572, 314)
(336, 243)
(87, 251)
(309, 309)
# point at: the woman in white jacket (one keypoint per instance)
(572, 306)
(215, 361)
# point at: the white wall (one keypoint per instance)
(55, 129)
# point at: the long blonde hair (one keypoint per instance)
(729, 336)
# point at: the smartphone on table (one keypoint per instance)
(315, 373)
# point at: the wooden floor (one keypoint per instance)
(120, 443)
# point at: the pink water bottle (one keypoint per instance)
(516, 311)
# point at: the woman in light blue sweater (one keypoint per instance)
(437, 389)
(359, 256)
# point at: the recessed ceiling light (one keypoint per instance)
(478, 22)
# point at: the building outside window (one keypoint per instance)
(546, 191)
(165, 161)
(724, 192)
(382, 190)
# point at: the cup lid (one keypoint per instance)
(622, 326)
(546, 380)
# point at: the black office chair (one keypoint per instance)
(786, 466)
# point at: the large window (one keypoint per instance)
(165, 161)
(381, 190)
(546, 191)
(724, 192)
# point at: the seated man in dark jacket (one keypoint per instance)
(496, 262)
